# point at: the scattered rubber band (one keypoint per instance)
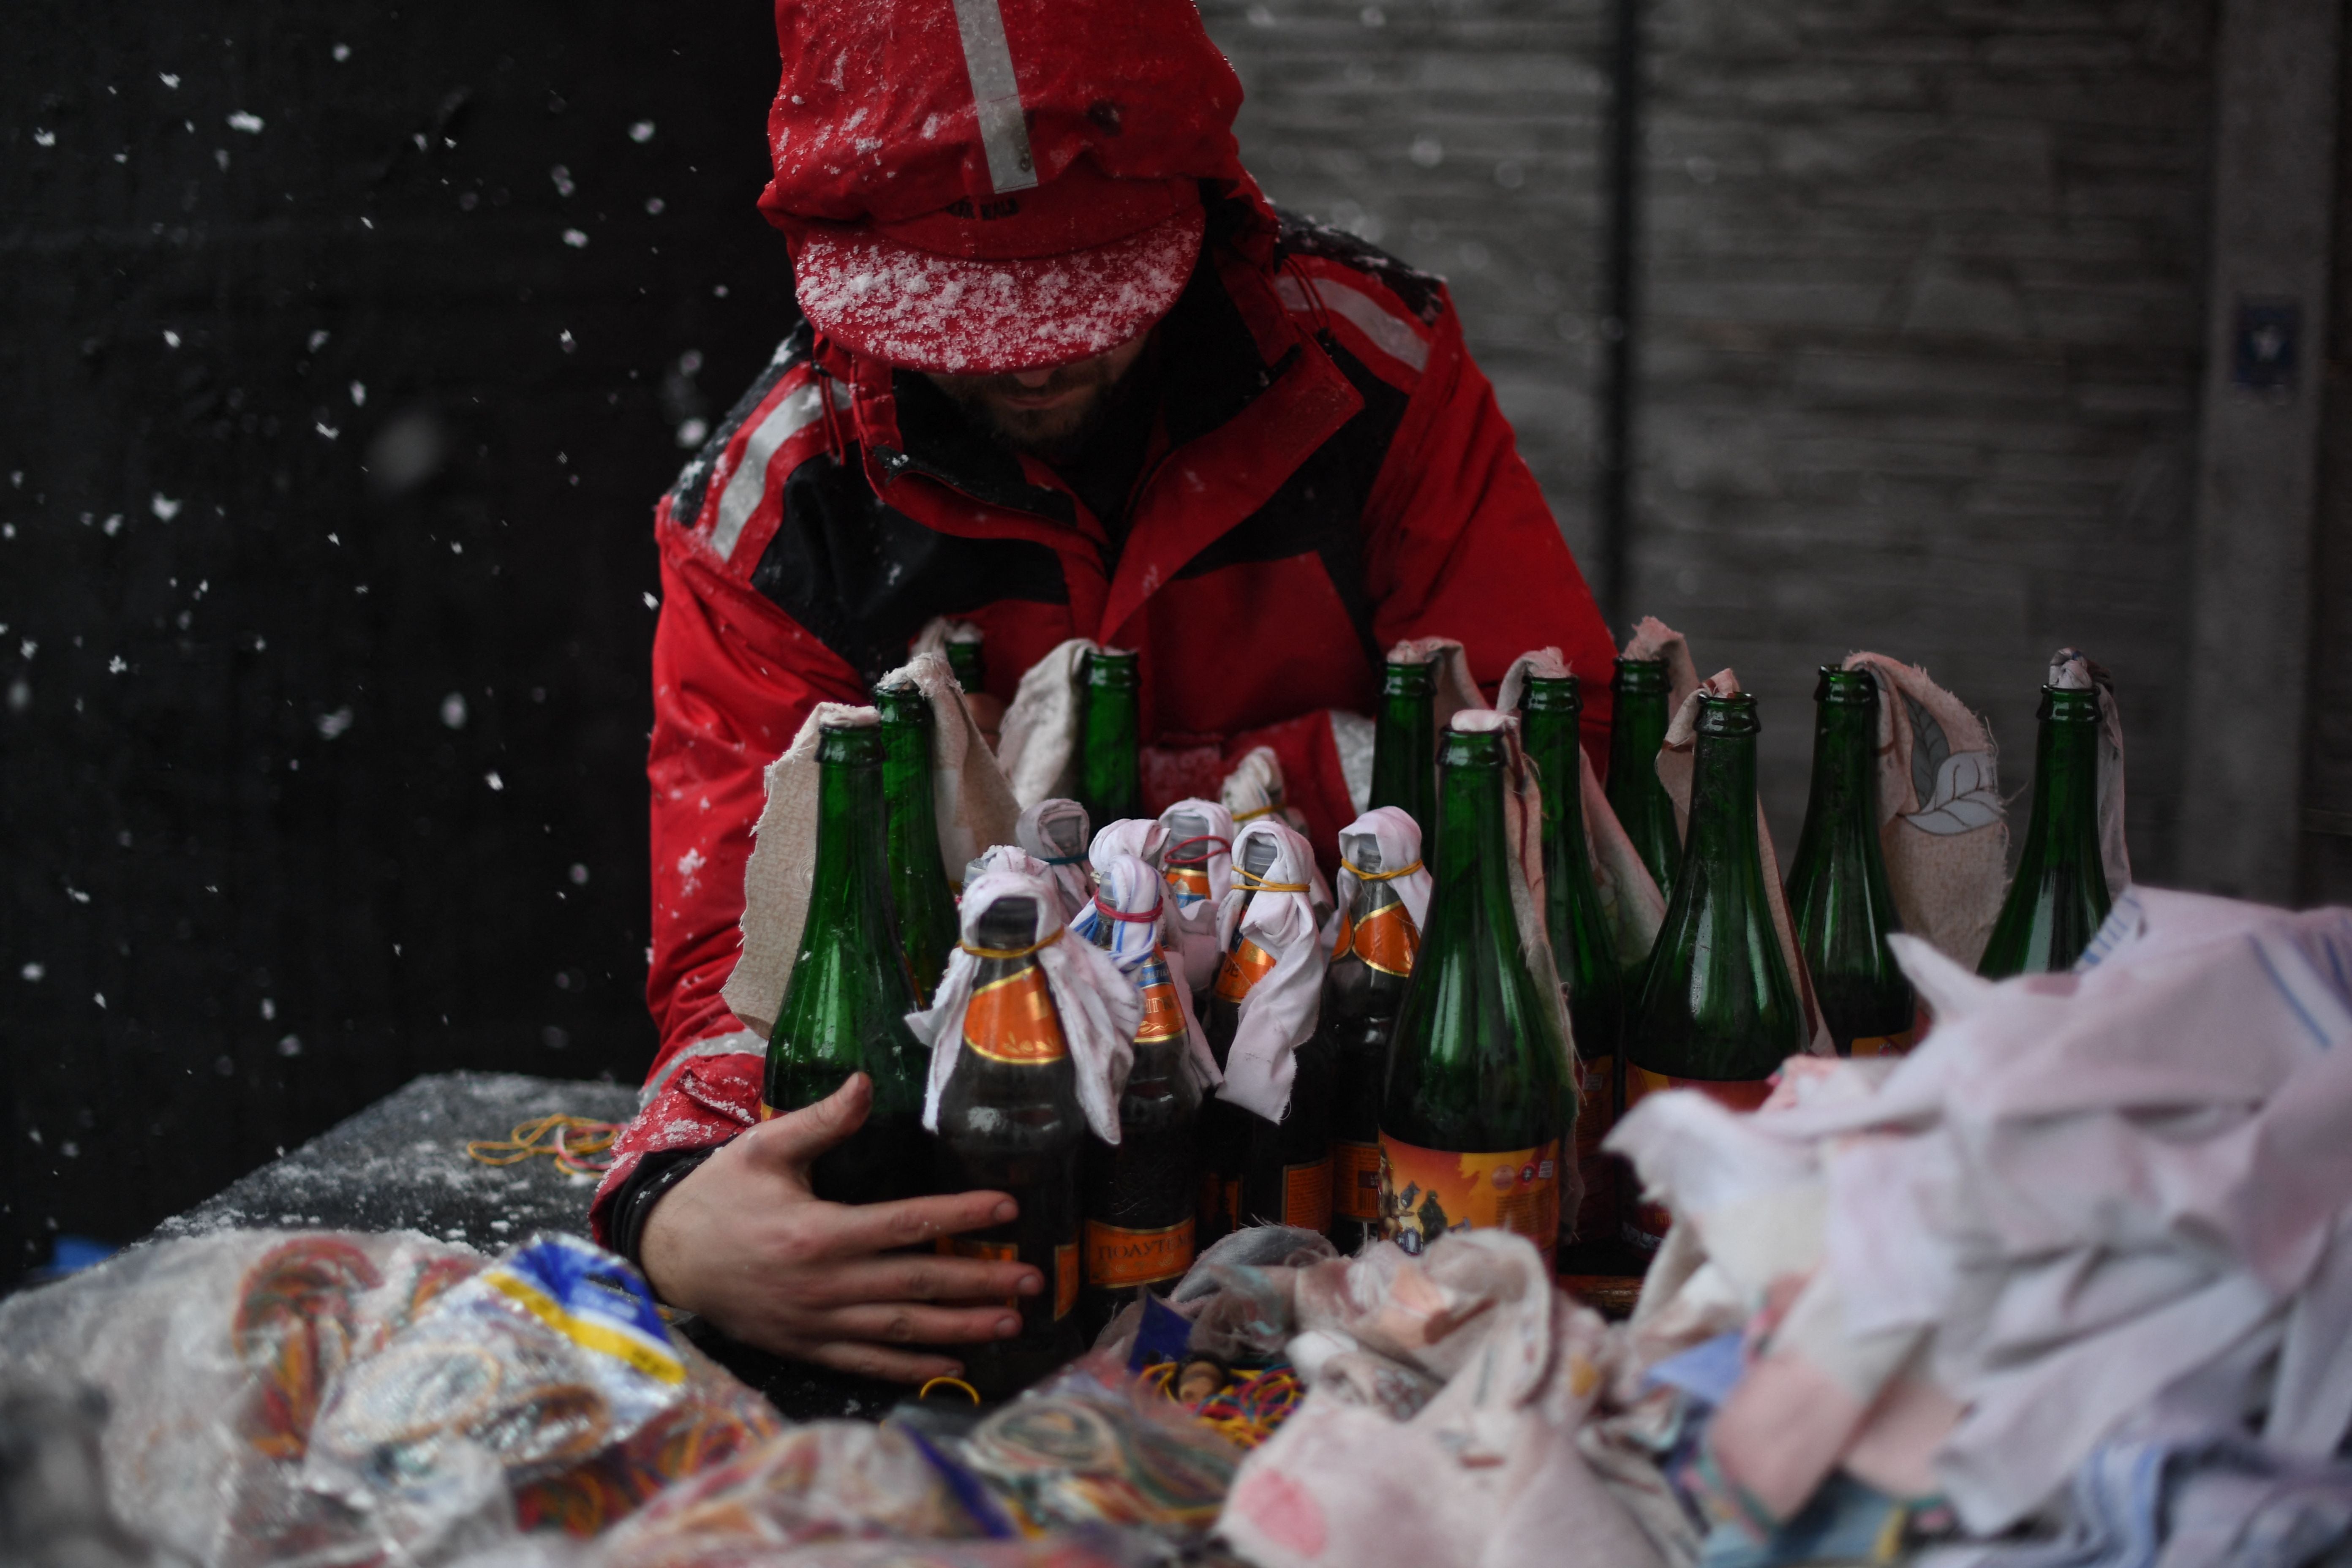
(1108, 912)
(970, 1391)
(1257, 811)
(1223, 845)
(577, 1144)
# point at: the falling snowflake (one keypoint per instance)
(642, 131)
(249, 123)
(163, 506)
(492, 779)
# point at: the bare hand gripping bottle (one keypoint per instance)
(1839, 897)
(1140, 1195)
(2059, 898)
(1384, 897)
(1111, 781)
(844, 1009)
(1581, 950)
(1476, 1100)
(1009, 1121)
(1719, 1011)
(1404, 743)
(1637, 728)
(919, 896)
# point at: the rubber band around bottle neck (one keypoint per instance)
(1363, 875)
(1151, 914)
(1172, 857)
(1251, 882)
(1059, 933)
(1256, 812)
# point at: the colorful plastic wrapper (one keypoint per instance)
(1094, 1445)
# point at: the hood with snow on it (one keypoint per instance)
(2086, 1200)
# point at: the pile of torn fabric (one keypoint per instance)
(2072, 1284)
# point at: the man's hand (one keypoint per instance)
(743, 1242)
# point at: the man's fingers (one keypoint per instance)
(914, 1222)
(880, 1360)
(922, 1278)
(795, 1139)
(911, 1323)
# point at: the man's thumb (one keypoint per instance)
(795, 1139)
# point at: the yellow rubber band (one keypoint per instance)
(1245, 880)
(924, 1392)
(1268, 810)
(1013, 952)
(1363, 875)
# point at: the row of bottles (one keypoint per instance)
(1431, 1084)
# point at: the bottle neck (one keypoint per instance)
(1404, 743)
(2064, 826)
(1551, 721)
(1843, 796)
(1637, 725)
(1109, 779)
(906, 725)
(1473, 871)
(852, 871)
(1723, 799)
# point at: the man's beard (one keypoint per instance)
(1055, 435)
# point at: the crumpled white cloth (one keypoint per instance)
(1006, 857)
(1145, 837)
(1675, 765)
(969, 797)
(1631, 904)
(1253, 791)
(1280, 1011)
(1097, 1004)
(1455, 689)
(1130, 886)
(1397, 838)
(1055, 831)
(2082, 1194)
(1195, 918)
(777, 877)
(1038, 746)
(1440, 1430)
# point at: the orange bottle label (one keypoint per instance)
(1347, 937)
(1424, 1192)
(986, 1251)
(1306, 1195)
(1117, 1258)
(1163, 1015)
(1646, 1222)
(1356, 1180)
(1189, 884)
(1883, 1045)
(1067, 1276)
(1244, 967)
(1012, 1020)
(1386, 940)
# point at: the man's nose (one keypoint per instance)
(1033, 380)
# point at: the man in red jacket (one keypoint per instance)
(1063, 373)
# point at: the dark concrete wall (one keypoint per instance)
(312, 429)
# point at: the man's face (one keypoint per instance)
(1048, 412)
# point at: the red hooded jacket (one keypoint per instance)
(1328, 473)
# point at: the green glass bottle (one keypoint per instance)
(1371, 968)
(1110, 778)
(1474, 1104)
(1404, 744)
(844, 1009)
(919, 895)
(1719, 1011)
(1581, 947)
(1637, 730)
(1010, 1122)
(2060, 894)
(1839, 898)
(969, 664)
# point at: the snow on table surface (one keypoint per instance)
(402, 1164)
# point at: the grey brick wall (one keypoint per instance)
(1919, 325)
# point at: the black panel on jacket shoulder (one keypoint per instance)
(863, 578)
(694, 480)
(1423, 294)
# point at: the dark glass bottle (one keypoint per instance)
(1110, 779)
(1637, 728)
(970, 666)
(1141, 1197)
(1404, 744)
(1371, 964)
(1010, 1122)
(1719, 1011)
(919, 896)
(844, 1009)
(1837, 894)
(2060, 894)
(1581, 950)
(1225, 1128)
(1474, 1104)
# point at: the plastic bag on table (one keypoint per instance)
(213, 1355)
(1095, 1445)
